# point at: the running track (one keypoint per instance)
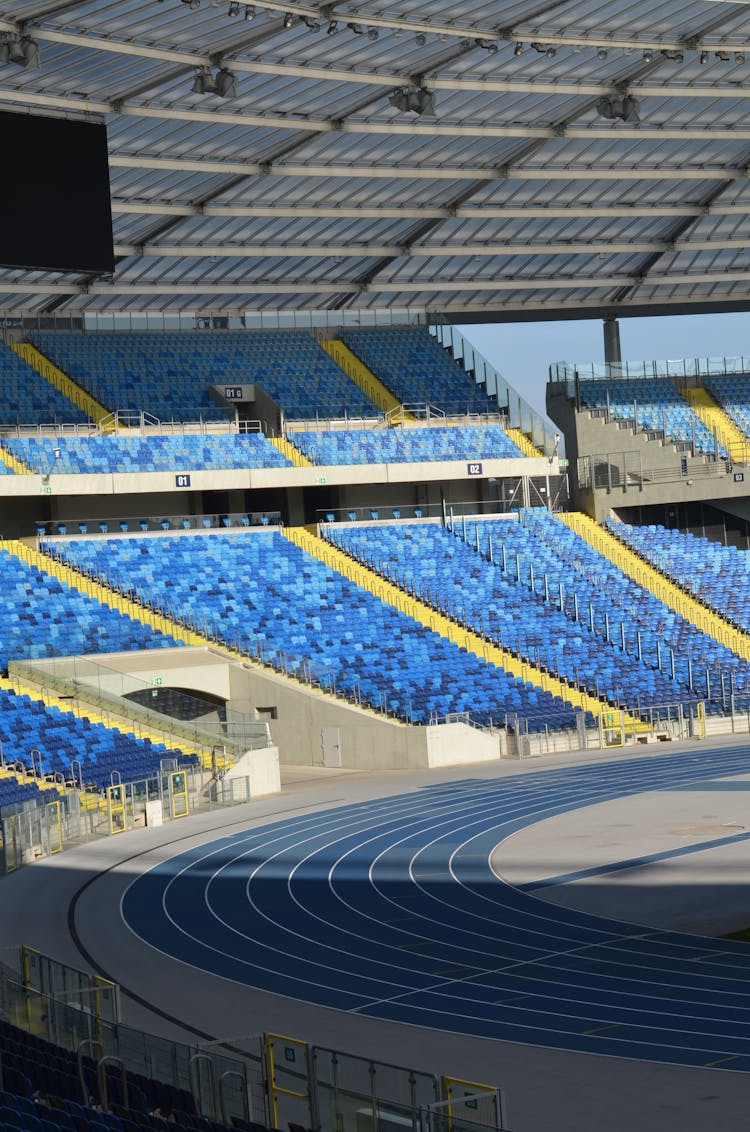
(389, 908)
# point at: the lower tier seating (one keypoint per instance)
(551, 598)
(41, 616)
(718, 575)
(77, 749)
(264, 595)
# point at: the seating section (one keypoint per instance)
(156, 453)
(40, 616)
(263, 594)
(655, 405)
(550, 598)
(718, 575)
(406, 445)
(26, 398)
(42, 1092)
(14, 792)
(168, 373)
(417, 370)
(64, 739)
(733, 394)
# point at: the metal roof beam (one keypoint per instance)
(417, 212)
(595, 38)
(390, 286)
(510, 172)
(625, 135)
(354, 251)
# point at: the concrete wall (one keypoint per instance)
(368, 741)
(643, 472)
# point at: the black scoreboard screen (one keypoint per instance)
(55, 211)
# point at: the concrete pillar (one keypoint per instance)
(612, 340)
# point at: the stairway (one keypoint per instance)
(523, 442)
(653, 580)
(722, 426)
(286, 448)
(11, 461)
(386, 592)
(69, 388)
(370, 385)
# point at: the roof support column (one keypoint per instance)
(612, 351)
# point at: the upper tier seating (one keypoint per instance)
(717, 575)
(406, 445)
(655, 405)
(733, 394)
(42, 616)
(168, 373)
(26, 398)
(417, 370)
(123, 453)
(427, 559)
(62, 738)
(266, 596)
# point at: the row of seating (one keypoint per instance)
(122, 453)
(263, 594)
(406, 445)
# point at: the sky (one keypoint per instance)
(523, 352)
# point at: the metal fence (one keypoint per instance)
(33, 830)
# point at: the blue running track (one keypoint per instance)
(389, 908)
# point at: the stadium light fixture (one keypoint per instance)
(703, 58)
(225, 83)
(356, 28)
(601, 53)
(372, 33)
(723, 55)
(309, 22)
(249, 11)
(420, 39)
(333, 27)
(415, 99)
(518, 50)
(203, 81)
(623, 108)
(648, 56)
(288, 19)
(234, 8)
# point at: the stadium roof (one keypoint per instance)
(309, 189)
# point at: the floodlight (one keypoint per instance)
(203, 81)
(417, 100)
(225, 83)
